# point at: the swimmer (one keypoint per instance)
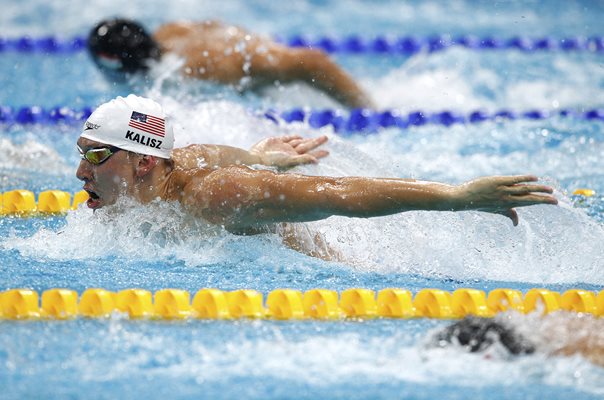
(222, 53)
(127, 149)
(558, 333)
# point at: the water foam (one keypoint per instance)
(551, 245)
(31, 155)
(320, 360)
(464, 80)
(153, 232)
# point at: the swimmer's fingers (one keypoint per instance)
(523, 201)
(289, 138)
(308, 158)
(531, 199)
(524, 189)
(305, 145)
(511, 214)
(319, 153)
(514, 179)
(300, 160)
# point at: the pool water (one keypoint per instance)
(155, 246)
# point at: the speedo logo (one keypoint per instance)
(90, 125)
(144, 140)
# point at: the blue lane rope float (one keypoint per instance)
(37, 115)
(353, 44)
(366, 121)
(408, 45)
(47, 44)
(291, 304)
(362, 121)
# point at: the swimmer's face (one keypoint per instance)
(108, 180)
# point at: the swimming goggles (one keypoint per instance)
(98, 155)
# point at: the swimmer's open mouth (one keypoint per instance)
(92, 194)
(94, 200)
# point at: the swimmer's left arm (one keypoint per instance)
(241, 198)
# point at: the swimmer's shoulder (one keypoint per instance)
(185, 28)
(188, 168)
(194, 156)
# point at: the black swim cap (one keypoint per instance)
(122, 45)
(477, 334)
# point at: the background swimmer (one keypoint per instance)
(245, 200)
(221, 53)
(556, 334)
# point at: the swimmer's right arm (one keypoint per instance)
(316, 68)
(276, 151)
(241, 198)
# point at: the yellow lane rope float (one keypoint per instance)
(584, 192)
(23, 202)
(290, 304)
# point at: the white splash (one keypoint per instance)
(31, 155)
(320, 359)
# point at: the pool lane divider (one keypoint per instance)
(22, 203)
(352, 44)
(361, 121)
(290, 304)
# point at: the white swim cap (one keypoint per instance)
(133, 123)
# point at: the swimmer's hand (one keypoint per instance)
(500, 194)
(289, 151)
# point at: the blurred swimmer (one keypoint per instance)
(561, 333)
(127, 149)
(221, 53)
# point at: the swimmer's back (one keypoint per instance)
(213, 50)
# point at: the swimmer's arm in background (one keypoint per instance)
(241, 198)
(277, 151)
(569, 334)
(589, 346)
(564, 334)
(316, 68)
(267, 63)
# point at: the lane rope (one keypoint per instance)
(352, 44)
(291, 304)
(362, 121)
(22, 203)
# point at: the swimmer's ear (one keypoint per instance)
(145, 165)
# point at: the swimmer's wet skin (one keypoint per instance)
(241, 198)
(227, 192)
(221, 53)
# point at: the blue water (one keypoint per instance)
(155, 247)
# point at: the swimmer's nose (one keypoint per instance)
(84, 171)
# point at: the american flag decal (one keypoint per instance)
(148, 123)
